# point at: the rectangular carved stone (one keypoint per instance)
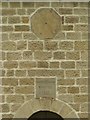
(46, 88)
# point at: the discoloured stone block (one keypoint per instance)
(25, 19)
(22, 28)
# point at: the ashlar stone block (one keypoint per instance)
(45, 23)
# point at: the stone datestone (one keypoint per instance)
(46, 88)
(46, 23)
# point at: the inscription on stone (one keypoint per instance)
(46, 88)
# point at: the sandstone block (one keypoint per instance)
(27, 65)
(28, 4)
(15, 99)
(24, 90)
(14, 4)
(81, 45)
(73, 55)
(5, 108)
(7, 28)
(15, 36)
(40, 55)
(21, 45)
(26, 81)
(72, 19)
(8, 12)
(42, 64)
(22, 28)
(35, 45)
(59, 55)
(51, 45)
(66, 45)
(80, 98)
(10, 64)
(64, 11)
(9, 46)
(14, 56)
(72, 73)
(27, 55)
(13, 20)
(54, 64)
(68, 65)
(73, 90)
(9, 81)
(20, 73)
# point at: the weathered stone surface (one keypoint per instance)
(45, 23)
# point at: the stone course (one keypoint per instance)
(44, 40)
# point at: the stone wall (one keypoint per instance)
(28, 54)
